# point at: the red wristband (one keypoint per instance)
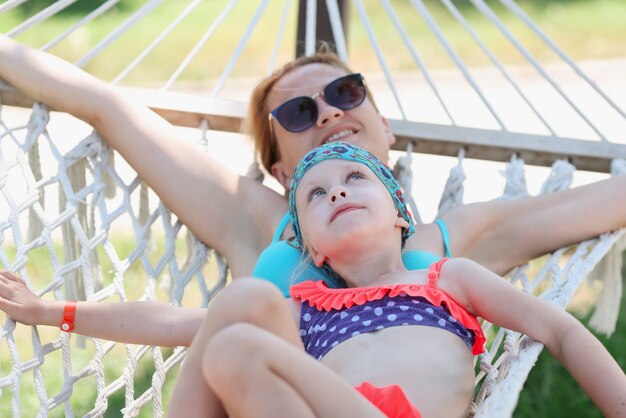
(69, 311)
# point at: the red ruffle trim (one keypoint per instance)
(320, 296)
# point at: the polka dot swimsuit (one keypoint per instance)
(332, 316)
(320, 330)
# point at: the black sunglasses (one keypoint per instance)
(300, 113)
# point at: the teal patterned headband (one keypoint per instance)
(348, 152)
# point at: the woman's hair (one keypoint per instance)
(257, 123)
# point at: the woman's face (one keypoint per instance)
(362, 125)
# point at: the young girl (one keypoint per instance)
(403, 338)
(395, 343)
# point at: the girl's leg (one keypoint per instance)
(257, 374)
(252, 301)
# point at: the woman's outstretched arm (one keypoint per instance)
(151, 323)
(233, 214)
(502, 304)
(503, 234)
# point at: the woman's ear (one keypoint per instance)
(391, 138)
(280, 173)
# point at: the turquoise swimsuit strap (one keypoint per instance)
(444, 235)
(281, 227)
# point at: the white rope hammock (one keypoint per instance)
(76, 239)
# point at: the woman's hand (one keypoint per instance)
(19, 302)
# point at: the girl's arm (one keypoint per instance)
(150, 323)
(498, 301)
(233, 214)
(503, 234)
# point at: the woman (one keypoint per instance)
(240, 217)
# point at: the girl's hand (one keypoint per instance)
(17, 301)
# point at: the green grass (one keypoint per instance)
(584, 29)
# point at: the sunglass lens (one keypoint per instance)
(346, 92)
(297, 114)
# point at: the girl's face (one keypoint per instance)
(362, 125)
(341, 203)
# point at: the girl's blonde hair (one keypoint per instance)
(305, 261)
(257, 123)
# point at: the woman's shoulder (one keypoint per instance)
(427, 237)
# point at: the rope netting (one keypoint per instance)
(72, 248)
(83, 226)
